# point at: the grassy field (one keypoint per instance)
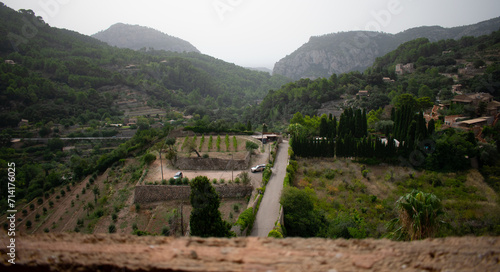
(342, 186)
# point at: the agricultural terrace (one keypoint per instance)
(208, 146)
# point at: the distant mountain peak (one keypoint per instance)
(136, 37)
(348, 51)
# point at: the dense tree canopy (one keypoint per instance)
(206, 219)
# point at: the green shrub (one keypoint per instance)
(251, 146)
(418, 216)
(266, 175)
(165, 231)
(275, 234)
(217, 144)
(245, 178)
(246, 219)
(149, 158)
(112, 228)
(347, 226)
(141, 233)
(178, 181)
(99, 213)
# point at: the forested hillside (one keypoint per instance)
(388, 166)
(56, 83)
(139, 37)
(435, 73)
(62, 76)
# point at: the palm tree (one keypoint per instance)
(418, 216)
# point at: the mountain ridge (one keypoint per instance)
(137, 37)
(348, 51)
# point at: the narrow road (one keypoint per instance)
(270, 206)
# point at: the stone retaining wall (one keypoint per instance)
(212, 163)
(157, 193)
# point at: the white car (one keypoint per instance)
(258, 168)
(178, 175)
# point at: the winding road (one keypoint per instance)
(270, 206)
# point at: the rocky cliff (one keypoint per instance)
(137, 37)
(357, 50)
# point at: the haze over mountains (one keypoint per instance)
(137, 37)
(357, 50)
(321, 56)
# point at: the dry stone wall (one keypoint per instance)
(212, 163)
(158, 193)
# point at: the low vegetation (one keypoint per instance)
(343, 202)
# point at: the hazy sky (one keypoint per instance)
(257, 33)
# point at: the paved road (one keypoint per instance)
(269, 207)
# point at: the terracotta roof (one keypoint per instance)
(493, 105)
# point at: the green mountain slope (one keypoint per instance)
(61, 75)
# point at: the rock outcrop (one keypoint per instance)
(357, 50)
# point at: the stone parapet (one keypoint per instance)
(158, 193)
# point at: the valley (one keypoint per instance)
(133, 132)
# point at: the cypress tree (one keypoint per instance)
(334, 127)
(206, 219)
(358, 124)
(410, 139)
(431, 127)
(364, 123)
(421, 129)
(323, 127)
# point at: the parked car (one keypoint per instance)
(178, 175)
(258, 168)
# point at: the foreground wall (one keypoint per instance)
(157, 193)
(118, 252)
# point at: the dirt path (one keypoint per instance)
(269, 208)
(104, 252)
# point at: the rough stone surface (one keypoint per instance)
(112, 252)
(157, 193)
(197, 163)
